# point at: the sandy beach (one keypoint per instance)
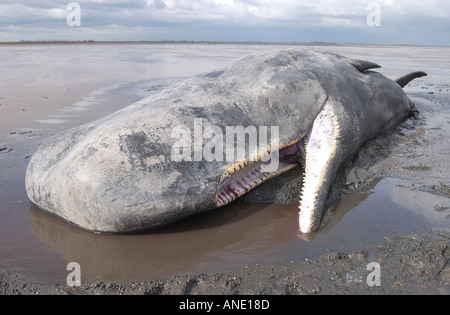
(395, 210)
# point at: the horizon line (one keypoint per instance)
(93, 41)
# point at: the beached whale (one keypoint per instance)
(208, 140)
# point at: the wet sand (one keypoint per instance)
(396, 192)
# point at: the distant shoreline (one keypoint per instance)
(91, 42)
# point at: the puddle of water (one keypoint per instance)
(38, 244)
(230, 237)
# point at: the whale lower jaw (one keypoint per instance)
(321, 163)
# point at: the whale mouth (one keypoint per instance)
(244, 176)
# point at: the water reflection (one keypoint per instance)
(228, 237)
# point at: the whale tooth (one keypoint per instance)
(234, 168)
(225, 197)
(228, 198)
(232, 193)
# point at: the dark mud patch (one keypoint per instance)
(441, 189)
(5, 150)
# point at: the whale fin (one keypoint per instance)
(363, 65)
(403, 81)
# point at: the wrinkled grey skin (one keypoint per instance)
(117, 174)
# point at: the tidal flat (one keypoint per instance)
(395, 208)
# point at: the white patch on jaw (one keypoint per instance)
(320, 150)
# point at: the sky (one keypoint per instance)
(414, 22)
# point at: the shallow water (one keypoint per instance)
(40, 245)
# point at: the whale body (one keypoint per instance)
(168, 156)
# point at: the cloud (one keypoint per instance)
(263, 20)
(21, 14)
(157, 4)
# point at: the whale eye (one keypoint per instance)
(414, 114)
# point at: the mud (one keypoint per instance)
(408, 264)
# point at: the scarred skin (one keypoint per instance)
(118, 175)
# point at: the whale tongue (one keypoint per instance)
(293, 153)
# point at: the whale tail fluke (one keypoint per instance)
(403, 81)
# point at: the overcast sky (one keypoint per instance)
(340, 21)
